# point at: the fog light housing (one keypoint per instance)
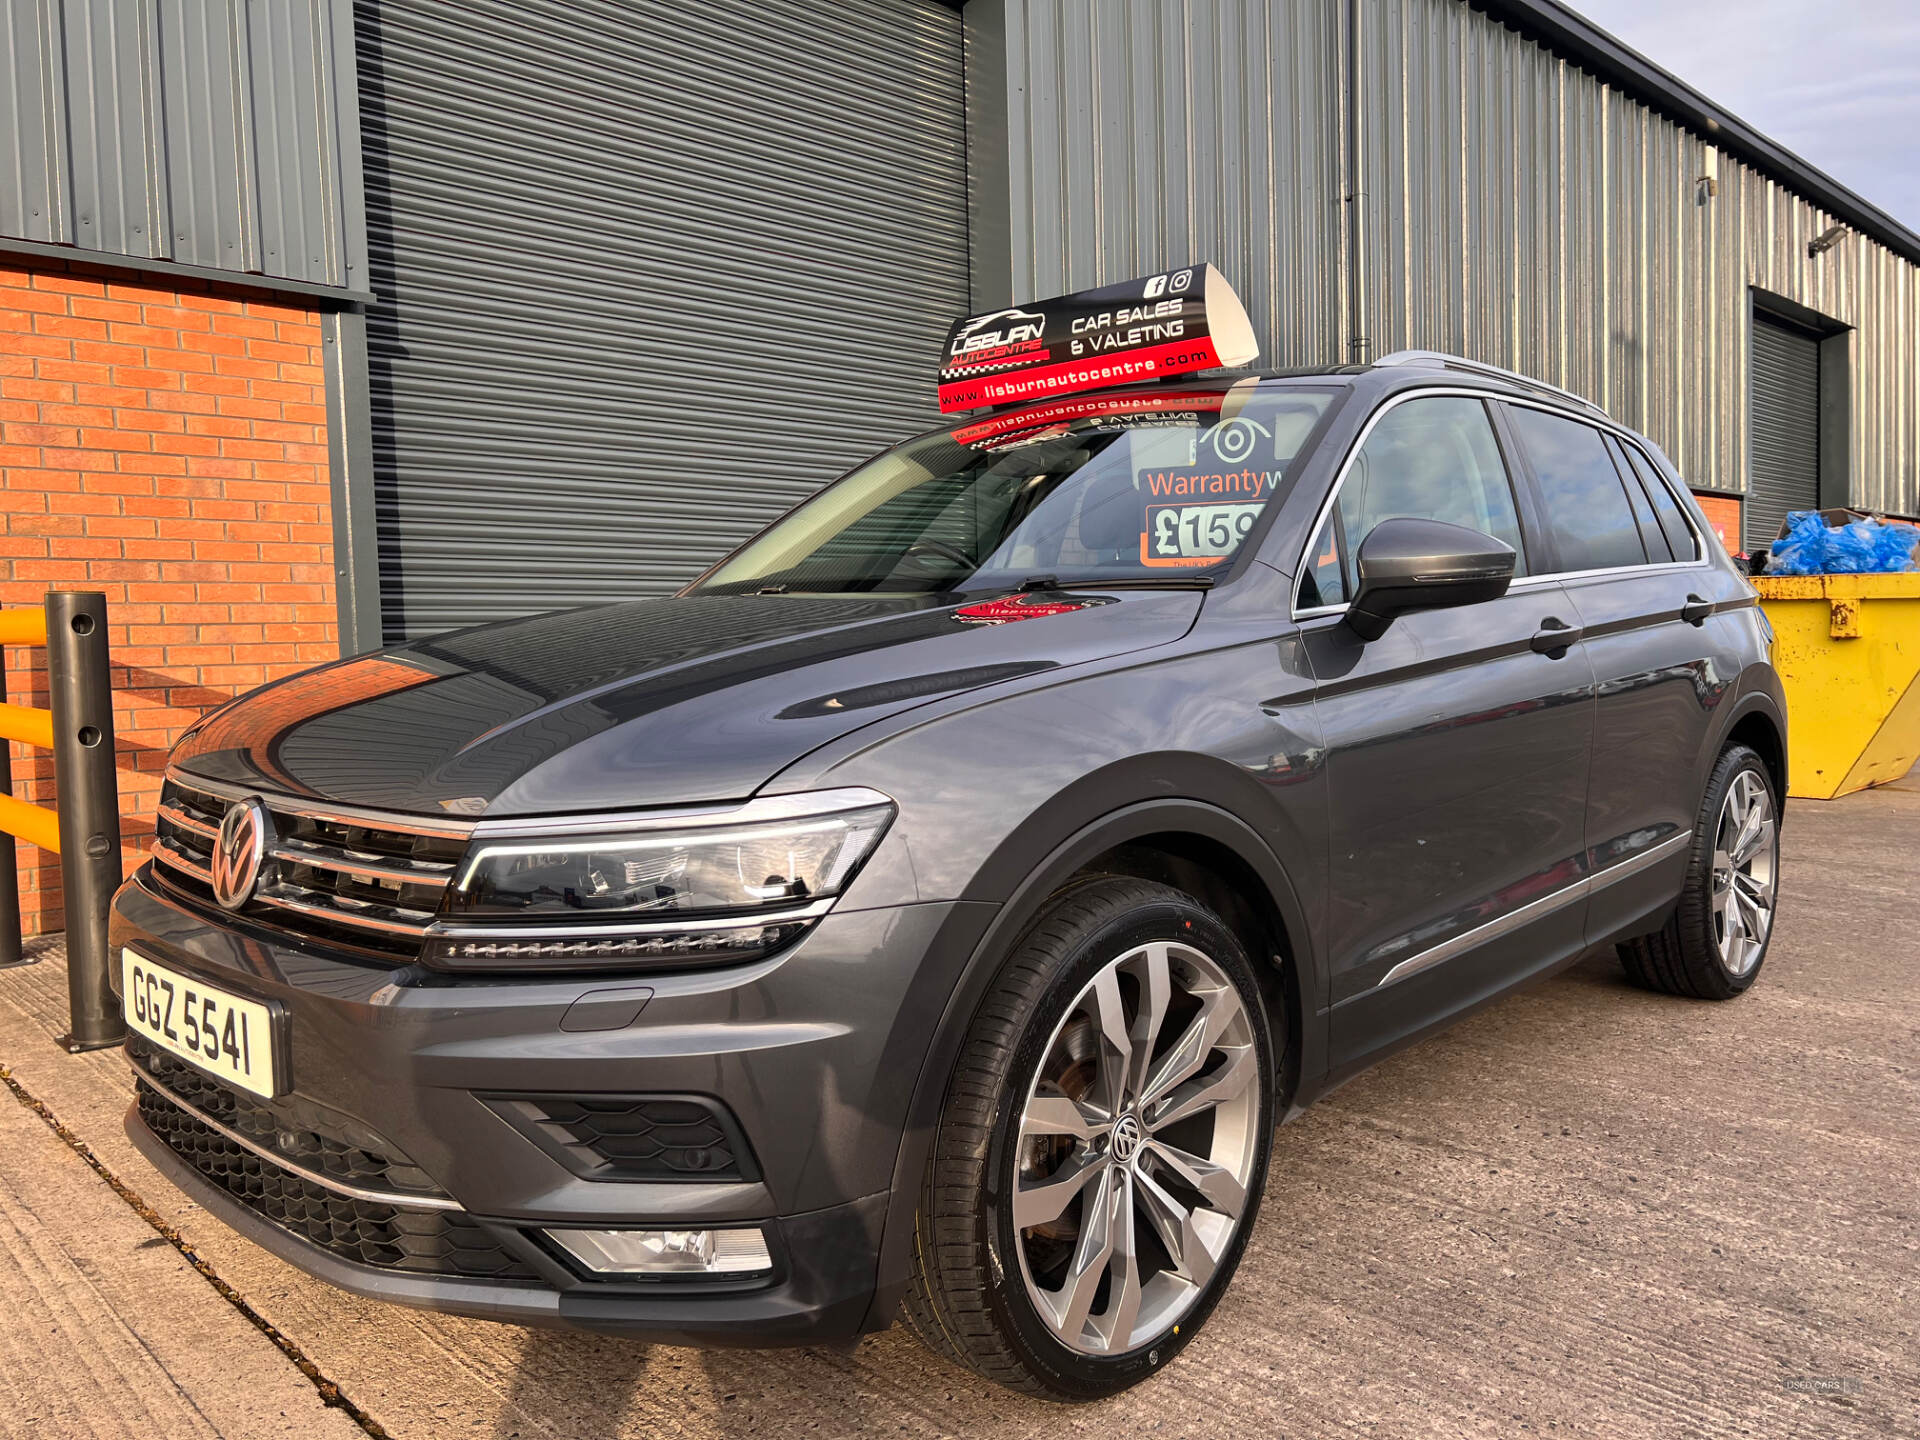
(667, 1253)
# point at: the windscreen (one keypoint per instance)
(1130, 487)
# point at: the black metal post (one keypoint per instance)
(9, 862)
(88, 799)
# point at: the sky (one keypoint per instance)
(1835, 81)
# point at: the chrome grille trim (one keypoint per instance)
(371, 867)
(368, 915)
(164, 852)
(314, 872)
(327, 812)
(174, 815)
(400, 1199)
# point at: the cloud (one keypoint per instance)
(1837, 84)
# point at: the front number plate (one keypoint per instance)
(221, 1033)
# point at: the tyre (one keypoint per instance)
(1101, 1151)
(1716, 940)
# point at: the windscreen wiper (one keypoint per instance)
(1125, 582)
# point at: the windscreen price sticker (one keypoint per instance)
(1194, 534)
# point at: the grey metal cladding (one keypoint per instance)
(1512, 206)
(649, 275)
(1143, 134)
(199, 132)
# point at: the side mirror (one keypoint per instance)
(1407, 564)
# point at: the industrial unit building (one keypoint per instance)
(419, 314)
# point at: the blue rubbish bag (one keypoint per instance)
(1860, 547)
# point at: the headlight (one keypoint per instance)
(722, 886)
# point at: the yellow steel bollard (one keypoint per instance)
(1848, 651)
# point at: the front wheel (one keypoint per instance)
(1102, 1148)
(1713, 946)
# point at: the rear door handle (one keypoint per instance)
(1554, 637)
(1696, 610)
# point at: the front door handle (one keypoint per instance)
(1696, 610)
(1554, 637)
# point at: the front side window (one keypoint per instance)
(1432, 458)
(1162, 485)
(1585, 498)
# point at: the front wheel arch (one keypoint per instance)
(1304, 1048)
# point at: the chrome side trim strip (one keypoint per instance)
(1634, 864)
(750, 812)
(397, 1198)
(1533, 910)
(1492, 930)
(620, 930)
(325, 810)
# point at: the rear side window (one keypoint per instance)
(1666, 509)
(1427, 459)
(1585, 496)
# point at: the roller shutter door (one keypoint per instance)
(1784, 472)
(649, 274)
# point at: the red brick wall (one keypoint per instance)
(165, 444)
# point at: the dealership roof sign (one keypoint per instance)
(1156, 326)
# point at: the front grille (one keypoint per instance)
(634, 1137)
(318, 1140)
(391, 1237)
(371, 882)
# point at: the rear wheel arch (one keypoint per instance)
(1763, 733)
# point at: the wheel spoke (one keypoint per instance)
(1753, 842)
(1036, 1202)
(1190, 1051)
(1205, 1092)
(1116, 1043)
(1173, 1222)
(1736, 929)
(1073, 1302)
(1214, 1183)
(1753, 918)
(1115, 1325)
(1056, 1114)
(1156, 989)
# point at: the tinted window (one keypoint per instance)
(1651, 536)
(1430, 459)
(1586, 500)
(1672, 523)
(1083, 488)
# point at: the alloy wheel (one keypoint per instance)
(1745, 862)
(1137, 1144)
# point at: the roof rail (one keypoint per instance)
(1459, 362)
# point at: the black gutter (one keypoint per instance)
(162, 271)
(1581, 41)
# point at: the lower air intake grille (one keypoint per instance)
(423, 1242)
(634, 1137)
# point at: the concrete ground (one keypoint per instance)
(1588, 1211)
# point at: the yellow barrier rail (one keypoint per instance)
(83, 826)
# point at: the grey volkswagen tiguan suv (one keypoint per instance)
(934, 907)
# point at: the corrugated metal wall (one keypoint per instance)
(203, 132)
(1517, 211)
(649, 273)
(1143, 134)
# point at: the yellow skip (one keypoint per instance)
(1848, 651)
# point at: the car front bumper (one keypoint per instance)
(813, 1052)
